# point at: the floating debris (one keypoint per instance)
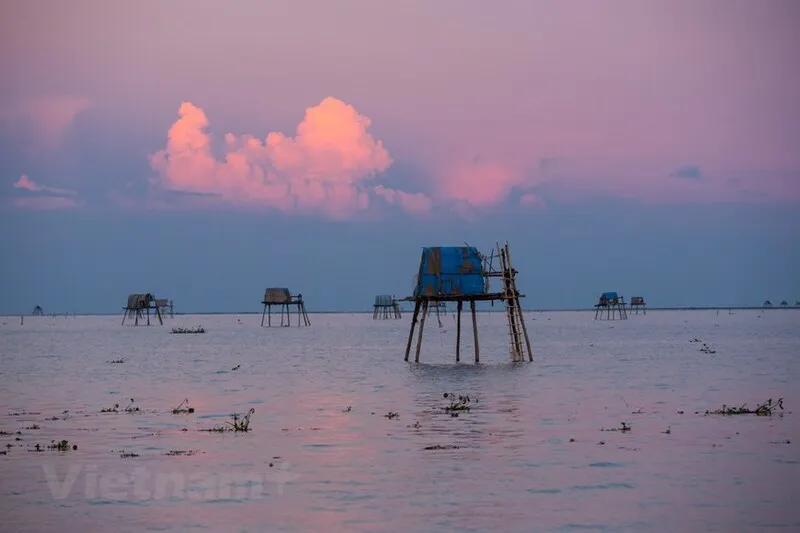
(442, 447)
(765, 409)
(457, 404)
(390, 415)
(173, 453)
(237, 367)
(116, 361)
(623, 428)
(183, 408)
(198, 329)
(240, 423)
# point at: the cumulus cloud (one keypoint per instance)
(43, 196)
(477, 182)
(328, 167)
(49, 116)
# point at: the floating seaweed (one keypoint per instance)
(457, 404)
(239, 423)
(442, 447)
(198, 329)
(390, 415)
(175, 453)
(624, 427)
(183, 408)
(767, 408)
(116, 361)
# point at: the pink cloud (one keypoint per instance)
(24, 182)
(44, 197)
(478, 183)
(531, 200)
(49, 116)
(327, 167)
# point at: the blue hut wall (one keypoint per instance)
(450, 271)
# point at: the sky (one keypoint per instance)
(203, 151)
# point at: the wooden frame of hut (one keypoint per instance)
(38, 311)
(166, 304)
(139, 306)
(637, 302)
(386, 306)
(613, 305)
(461, 274)
(281, 296)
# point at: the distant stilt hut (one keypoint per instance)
(167, 306)
(784, 304)
(461, 274)
(613, 305)
(386, 306)
(38, 311)
(282, 297)
(637, 302)
(767, 304)
(139, 306)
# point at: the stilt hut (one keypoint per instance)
(461, 274)
(139, 306)
(38, 311)
(784, 303)
(283, 298)
(637, 302)
(612, 305)
(386, 306)
(767, 304)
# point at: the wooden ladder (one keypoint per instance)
(516, 326)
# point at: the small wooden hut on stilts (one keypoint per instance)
(612, 304)
(139, 306)
(461, 274)
(283, 298)
(386, 306)
(38, 311)
(637, 302)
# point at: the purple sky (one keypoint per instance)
(446, 110)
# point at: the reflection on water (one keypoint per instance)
(538, 450)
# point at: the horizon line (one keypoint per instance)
(361, 312)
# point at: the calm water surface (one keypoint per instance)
(531, 454)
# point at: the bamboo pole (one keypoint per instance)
(459, 307)
(475, 331)
(421, 327)
(411, 331)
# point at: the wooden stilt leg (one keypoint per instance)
(421, 328)
(411, 331)
(263, 314)
(459, 307)
(524, 329)
(475, 331)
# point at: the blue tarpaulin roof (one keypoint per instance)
(450, 271)
(610, 295)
